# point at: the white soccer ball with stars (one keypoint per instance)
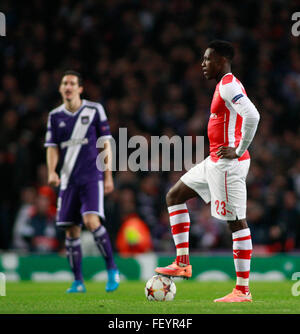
(160, 288)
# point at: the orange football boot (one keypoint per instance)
(236, 296)
(175, 270)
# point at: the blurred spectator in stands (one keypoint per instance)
(134, 236)
(285, 230)
(162, 238)
(148, 199)
(257, 224)
(207, 232)
(28, 198)
(35, 226)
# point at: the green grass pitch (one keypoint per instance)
(191, 298)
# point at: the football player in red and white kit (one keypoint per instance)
(221, 178)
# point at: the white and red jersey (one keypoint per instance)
(233, 119)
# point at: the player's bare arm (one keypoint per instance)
(108, 183)
(52, 160)
(108, 178)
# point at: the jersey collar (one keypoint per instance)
(77, 111)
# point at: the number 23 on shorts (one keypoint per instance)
(220, 207)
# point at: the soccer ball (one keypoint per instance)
(160, 288)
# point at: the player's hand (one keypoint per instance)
(53, 179)
(108, 185)
(227, 153)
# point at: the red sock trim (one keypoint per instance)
(178, 212)
(243, 238)
(184, 259)
(243, 288)
(183, 245)
(180, 228)
(242, 254)
(243, 274)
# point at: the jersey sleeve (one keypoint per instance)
(102, 125)
(50, 138)
(235, 98)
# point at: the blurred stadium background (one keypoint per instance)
(141, 60)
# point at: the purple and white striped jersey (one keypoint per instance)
(76, 134)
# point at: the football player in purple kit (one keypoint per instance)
(72, 132)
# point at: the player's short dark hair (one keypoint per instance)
(77, 74)
(223, 48)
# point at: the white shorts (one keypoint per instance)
(222, 183)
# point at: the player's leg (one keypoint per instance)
(102, 240)
(189, 186)
(68, 217)
(180, 226)
(180, 220)
(242, 250)
(232, 203)
(101, 237)
(92, 208)
(74, 256)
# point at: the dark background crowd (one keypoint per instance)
(142, 61)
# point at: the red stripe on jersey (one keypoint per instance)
(226, 126)
(183, 245)
(242, 238)
(180, 228)
(226, 187)
(243, 274)
(237, 131)
(178, 212)
(242, 254)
